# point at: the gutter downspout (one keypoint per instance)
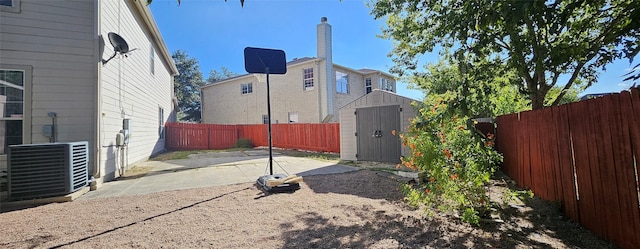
(317, 86)
(96, 176)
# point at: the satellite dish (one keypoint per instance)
(118, 43)
(119, 46)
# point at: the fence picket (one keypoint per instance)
(313, 137)
(626, 171)
(585, 155)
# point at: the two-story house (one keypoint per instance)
(55, 87)
(312, 90)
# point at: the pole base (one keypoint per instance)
(263, 182)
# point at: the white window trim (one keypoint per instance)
(249, 88)
(346, 85)
(368, 85)
(304, 80)
(15, 7)
(161, 133)
(293, 117)
(27, 99)
(152, 60)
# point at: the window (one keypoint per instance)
(10, 5)
(265, 119)
(367, 85)
(342, 82)
(293, 117)
(307, 78)
(386, 85)
(12, 83)
(161, 122)
(152, 58)
(247, 88)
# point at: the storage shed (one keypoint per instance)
(370, 127)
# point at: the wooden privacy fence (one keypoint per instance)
(313, 137)
(586, 156)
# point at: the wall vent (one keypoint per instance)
(45, 170)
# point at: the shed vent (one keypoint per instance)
(44, 170)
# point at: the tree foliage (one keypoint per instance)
(540, 40)
(570, 96)
(215, 75)
(477, 87)
(187, 86)
(455, 160)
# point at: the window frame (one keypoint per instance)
(152, 59)
(385, 84)
(15, 7)
(161, 134)
(368, 85)
(341, 84)
(248, 86)
(25, 119)
(293, 117)
(265, 119)
(308, 82)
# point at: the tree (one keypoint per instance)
(570, 95)
(475, 89)
(215, 76)
(187, 86)
(540, 40)
(455, 160)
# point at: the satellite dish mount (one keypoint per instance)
(120, 46)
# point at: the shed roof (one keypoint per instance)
(378, 93)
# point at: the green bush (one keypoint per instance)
(244, 143)
(455, 163)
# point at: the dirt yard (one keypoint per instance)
(362, 209)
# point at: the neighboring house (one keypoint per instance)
(594, 95)
(312, 90)
(50, 63)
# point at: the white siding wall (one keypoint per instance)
(130, 90)
(55, 38)
(223, 102)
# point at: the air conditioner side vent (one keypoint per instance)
(44, 170)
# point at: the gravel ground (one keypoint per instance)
(362, 209)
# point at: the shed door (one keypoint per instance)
(374, 127)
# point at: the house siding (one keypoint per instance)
(130, 90)
(56, 39)
(223, 102)
(356, 90)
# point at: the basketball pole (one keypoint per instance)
(269, 117)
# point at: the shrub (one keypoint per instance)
(454, 160)
(243, 143)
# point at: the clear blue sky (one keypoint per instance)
(216, 32)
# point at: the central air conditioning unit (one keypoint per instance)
(45, 170)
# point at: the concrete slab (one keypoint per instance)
(213, 169)
(32, 202)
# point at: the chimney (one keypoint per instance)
(327, 89)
